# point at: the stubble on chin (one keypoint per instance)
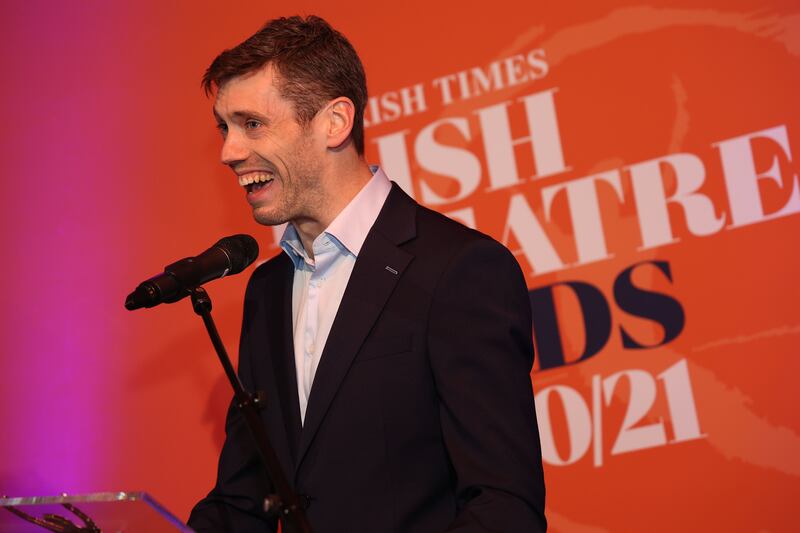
(267, 218)
(301, 193)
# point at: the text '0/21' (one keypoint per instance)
(584, 422)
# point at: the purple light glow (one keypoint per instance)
(60, 288)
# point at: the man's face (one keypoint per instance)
(277, 160)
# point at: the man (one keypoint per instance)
(393, 345)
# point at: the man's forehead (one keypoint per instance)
(254, 89)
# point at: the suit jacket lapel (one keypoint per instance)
(377, 270)
(279, 337)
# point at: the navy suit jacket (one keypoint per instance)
(421, 415)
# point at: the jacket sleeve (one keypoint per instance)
(481, 352)
(235, 504)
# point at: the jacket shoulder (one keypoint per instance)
(451, 236)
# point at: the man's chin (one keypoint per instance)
(268, 217)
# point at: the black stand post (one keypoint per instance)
(286, 503)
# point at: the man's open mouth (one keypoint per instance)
(254, 181)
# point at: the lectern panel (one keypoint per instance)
(111, 512)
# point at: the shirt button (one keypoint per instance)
(310, 348)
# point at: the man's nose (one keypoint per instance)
(234, 149)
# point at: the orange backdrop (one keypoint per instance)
(640, 161)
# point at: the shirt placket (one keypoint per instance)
(311, 328)
(323, 259)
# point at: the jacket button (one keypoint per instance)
(305, 500)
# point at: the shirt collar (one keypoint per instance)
(351, 225)
(291, 244)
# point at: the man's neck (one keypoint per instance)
(342, 186)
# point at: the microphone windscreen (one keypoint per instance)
(241, 249)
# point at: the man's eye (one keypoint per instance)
(223, 128)
(252, 124)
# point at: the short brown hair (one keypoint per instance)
(314, 63)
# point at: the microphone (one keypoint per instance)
(230, 255)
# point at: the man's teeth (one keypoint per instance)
(255, 177)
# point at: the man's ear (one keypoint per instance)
(339, 114)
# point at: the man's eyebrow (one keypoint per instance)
(246, 113)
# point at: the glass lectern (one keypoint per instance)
(106, 512)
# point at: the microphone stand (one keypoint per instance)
(286, 504)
